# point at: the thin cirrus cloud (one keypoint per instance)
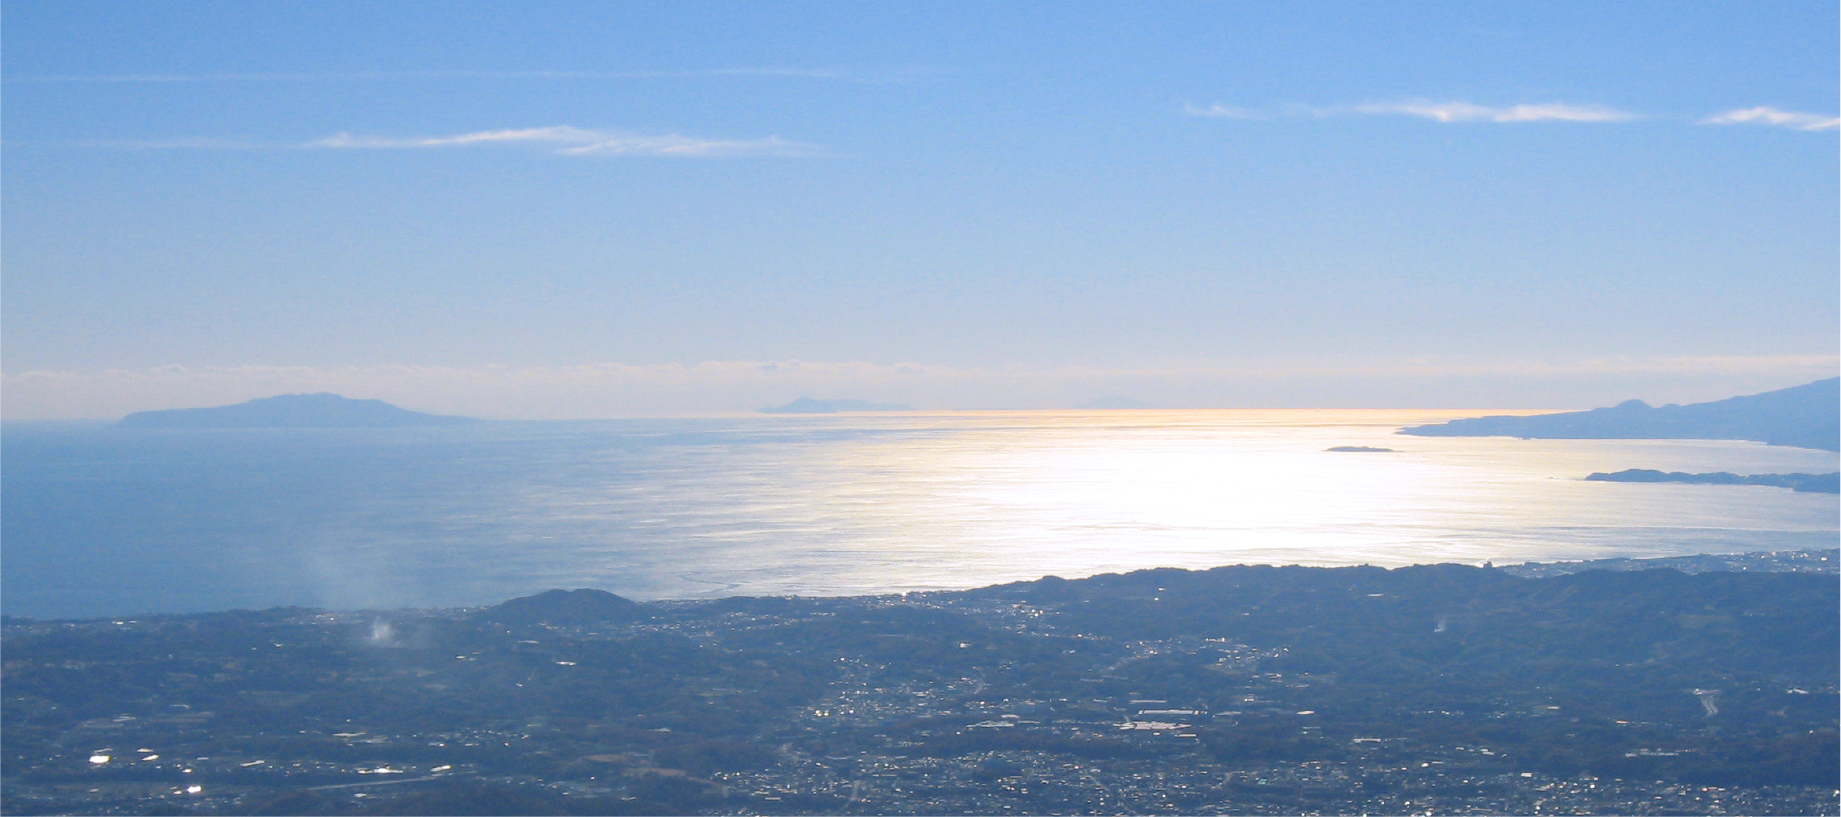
(573, 141)
(1467, 112)
(199, 143)
(1766, 115)
(1427, 109)
(562, 140)
(887, 76)
(1220, 111)
(1455, 112)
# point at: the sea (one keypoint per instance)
(99, 521)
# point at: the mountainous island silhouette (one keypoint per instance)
(833, 405)
(323, 410)
(1113, 402)
(1806, 416)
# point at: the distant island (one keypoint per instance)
(1807, 416)
(1801, 483)
(833, 405)
(1359, 449)
(1113, 403)
(323, 410)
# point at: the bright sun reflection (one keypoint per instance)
(1022, 495)
(877, 503)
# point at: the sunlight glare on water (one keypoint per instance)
(834, 504)
(1024, 495)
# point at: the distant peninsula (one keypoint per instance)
(323, 410)
(1801, 483)
(1807, 416)
(833, 405)
(1359, 449)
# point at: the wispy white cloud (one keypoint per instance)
(202, 143)
(1468, 112)
(1424, 109)
(1220, 111)
(573, 141)
(557, 134)
(561, 139)
(886, 76)
(1766, 115)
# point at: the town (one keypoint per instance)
(1243, 690)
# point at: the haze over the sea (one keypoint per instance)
(118, 521)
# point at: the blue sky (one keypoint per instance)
(599, 209)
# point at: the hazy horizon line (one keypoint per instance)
(724, 387)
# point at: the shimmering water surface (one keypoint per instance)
(104, 521)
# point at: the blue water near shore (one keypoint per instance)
(96, 520)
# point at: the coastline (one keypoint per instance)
(1808, 560)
